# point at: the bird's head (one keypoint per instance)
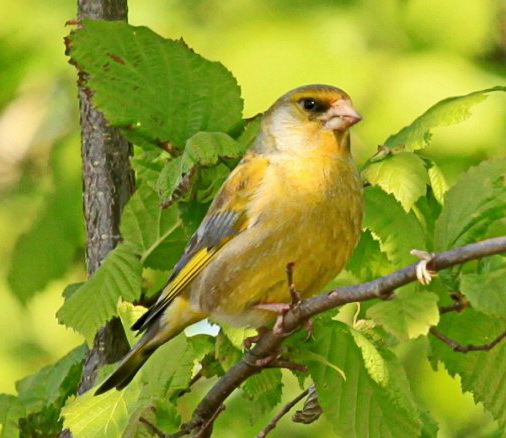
(306, 116)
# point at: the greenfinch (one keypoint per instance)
(295, 197)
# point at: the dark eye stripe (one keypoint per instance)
(312, 104)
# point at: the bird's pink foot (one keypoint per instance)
(279, 308)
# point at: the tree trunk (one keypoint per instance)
(108, 183)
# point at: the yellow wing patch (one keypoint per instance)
(198, 262)
(227, 217)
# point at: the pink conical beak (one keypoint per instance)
(341, 116)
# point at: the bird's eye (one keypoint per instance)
(311, 104)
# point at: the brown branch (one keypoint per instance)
(273, 423)
(294, 318)
(459, 348)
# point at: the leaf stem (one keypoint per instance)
(273, 423)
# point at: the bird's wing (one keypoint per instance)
(226, 217)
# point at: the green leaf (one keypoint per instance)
(367, 249)
(167, 417)
(237, 335)
(201, 345)
(250, 131)
(45, 423)
(52, 383)
(173, 181)
(159, 413)
(157, 234)
(204, 149)
(50, 246)
(482, 373)
(208, 148)
(361, 406)
(11, 410)
(226, 353)
(135, 427)
(373, 361)
(162, 375)
(309, 356)
(430, 427)
(47, 250)
(210, 181)
(447, 112)
(158, 90)
(103, 416)
(402, 174)
(437, 182)
(264, 390)
(476, 201)
(486, 291)
(398, 232)
(427, 210)
(409, 315)
(128, 313)
(94, 303)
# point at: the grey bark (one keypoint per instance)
(108, 183)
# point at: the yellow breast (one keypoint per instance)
(308, 211)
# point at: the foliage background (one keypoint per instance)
(395, 58)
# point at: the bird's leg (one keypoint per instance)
(294, 293)
(296, 298)
(282, 308)
(424, 273)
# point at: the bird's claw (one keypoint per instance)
(423, 273)
(262, 362)
(248, 342)
(282, 308)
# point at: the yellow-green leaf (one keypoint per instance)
(403, 175)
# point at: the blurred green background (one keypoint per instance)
(394, 57)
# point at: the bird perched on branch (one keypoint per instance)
(294, 198)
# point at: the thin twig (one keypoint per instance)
(455, 307)
(152, 427)
(273, 423)
(455, 346)
(192, 382)
(460, 303)
(294, 318)
(206, 429)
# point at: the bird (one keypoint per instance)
(294, 198)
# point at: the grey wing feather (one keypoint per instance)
(211, 232)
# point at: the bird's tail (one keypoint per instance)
(128, 367)
(161, 329)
